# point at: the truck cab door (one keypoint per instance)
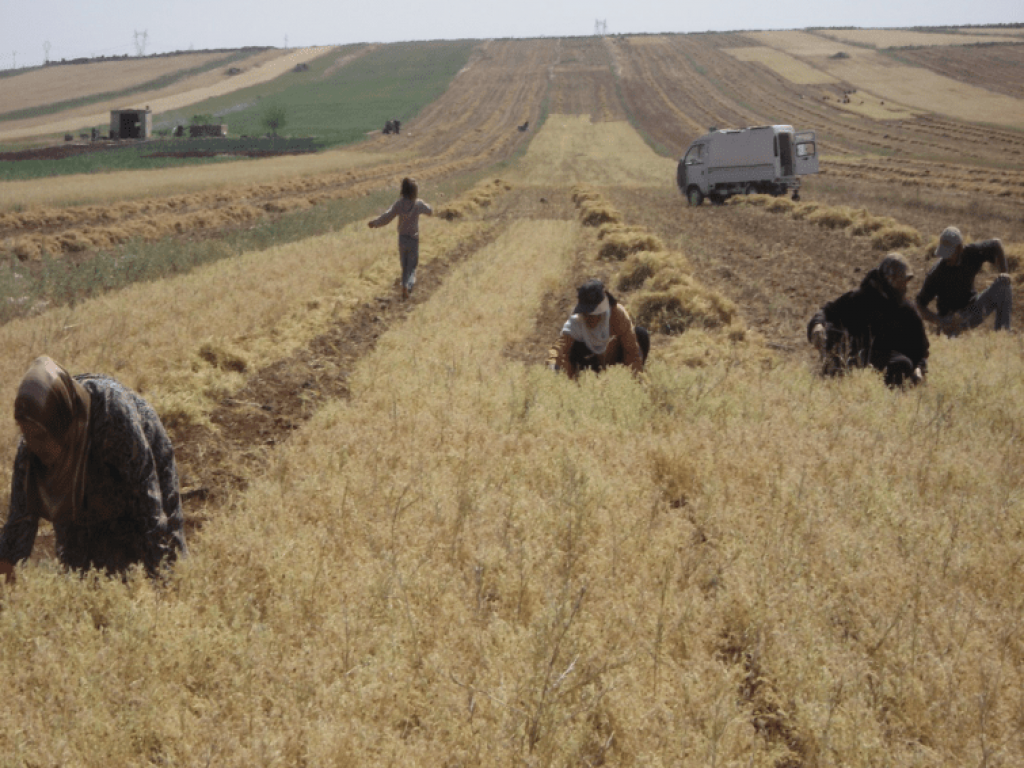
(806, 153)
(692, 168)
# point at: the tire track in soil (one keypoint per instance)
(213, 464)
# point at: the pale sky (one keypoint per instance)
(108, 27)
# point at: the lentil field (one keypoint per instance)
(414, 545)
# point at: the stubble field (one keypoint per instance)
(412, 544)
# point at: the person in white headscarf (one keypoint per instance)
(599, 333)
(96, 462)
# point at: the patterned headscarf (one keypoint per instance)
(50, 399)
(592, 299)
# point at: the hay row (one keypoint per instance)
(472, 126)
(988, 182)
(886, 233)
(665, 297)
(480, 196)
(74, 230)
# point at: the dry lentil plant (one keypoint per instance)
(413, 544)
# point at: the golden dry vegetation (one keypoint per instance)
(1015, 31)
(905, 38)
(923, 89)
(59, 83)
(997, 68)
(261, 67)
(413, 544)
(789, 67)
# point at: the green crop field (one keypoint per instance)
(393, 81)
(329, 107)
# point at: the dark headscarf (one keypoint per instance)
(49, 398)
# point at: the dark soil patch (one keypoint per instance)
(277, 400)
(55, 152)
(233, 152)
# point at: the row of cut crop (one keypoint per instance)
(472, 126)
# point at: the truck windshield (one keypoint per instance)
(695, 155)
(805, 149)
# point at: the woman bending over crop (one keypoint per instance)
(95, 461)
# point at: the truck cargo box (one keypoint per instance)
(767, 159)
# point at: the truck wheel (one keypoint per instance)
(695, 196)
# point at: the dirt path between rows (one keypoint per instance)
(214, 464)
(279, 399)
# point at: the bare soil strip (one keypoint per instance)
(278, 399)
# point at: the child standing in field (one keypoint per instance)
(408, 209)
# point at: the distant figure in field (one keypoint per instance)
(599, 333)
(524, 126)
(408, 209)
(874, 325)
(950, 282)
(393, 126)
(95, 461)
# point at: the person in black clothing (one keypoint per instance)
(950, 282)
(874, 325)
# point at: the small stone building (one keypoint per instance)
(131, 123)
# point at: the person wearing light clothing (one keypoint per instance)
(408, 208)
(950, 282)
(599, 333)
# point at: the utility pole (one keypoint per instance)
(46, 52)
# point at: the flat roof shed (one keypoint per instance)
(131, 123)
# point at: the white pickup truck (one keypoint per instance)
(767, 159)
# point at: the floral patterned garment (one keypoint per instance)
(132, 509)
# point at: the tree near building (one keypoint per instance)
(274, 118)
